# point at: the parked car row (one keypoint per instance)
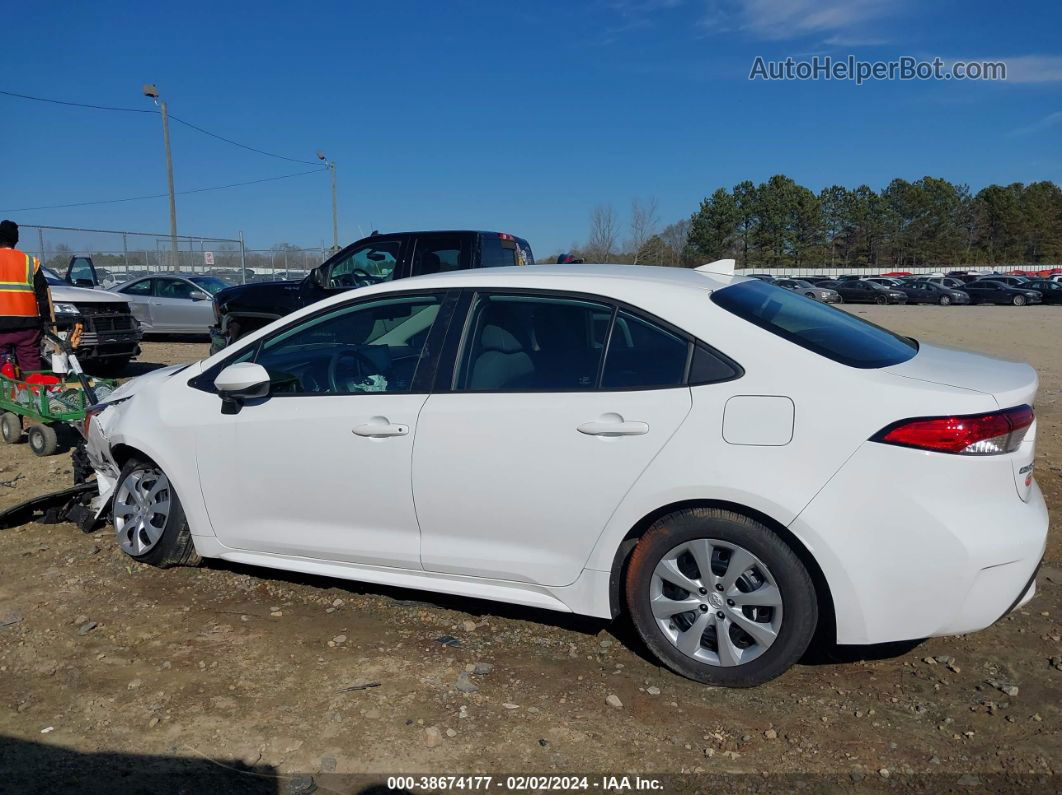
(958, 289)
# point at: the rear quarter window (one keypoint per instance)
(829, 332)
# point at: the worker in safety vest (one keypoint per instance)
(24, 300)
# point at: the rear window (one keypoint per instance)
(829, 332)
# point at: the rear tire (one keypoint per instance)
(42, 439)
(768, 592)
(11, 427)
(148, 518)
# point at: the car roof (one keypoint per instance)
(562, 276)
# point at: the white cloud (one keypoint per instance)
(1033, 68)
(846, 22)
(1046, 123)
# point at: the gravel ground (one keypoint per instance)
(114, 671)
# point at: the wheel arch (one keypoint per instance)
(618, 574)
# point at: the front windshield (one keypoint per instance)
(50, 277)
(209, 283)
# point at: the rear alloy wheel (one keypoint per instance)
(719, 598)
(149, 521)
(1018, 300)
(945, 300)
(11, 427)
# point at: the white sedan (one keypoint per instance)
(703, 451)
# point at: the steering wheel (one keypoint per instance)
(362, 362)
(356, 277)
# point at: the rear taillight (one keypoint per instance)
(972, 434)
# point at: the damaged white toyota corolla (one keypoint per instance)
(704, 452)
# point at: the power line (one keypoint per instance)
(77, 104)
(237, 143)
(164, 195)
(152, 110)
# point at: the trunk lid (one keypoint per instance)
(1009, 383)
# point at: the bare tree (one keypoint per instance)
(675, 236)
(644, 221)
(602, 232)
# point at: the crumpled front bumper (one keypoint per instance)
(98, 448)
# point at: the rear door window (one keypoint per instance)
(830, 332)
(441, 254)
(524, 343)
(642, 355)
(142, 287)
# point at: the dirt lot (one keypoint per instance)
(110, 669)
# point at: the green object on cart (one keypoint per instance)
(45, 405)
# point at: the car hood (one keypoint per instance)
(142, 382)
(83, 295)
(1011, 383)
(255, 289)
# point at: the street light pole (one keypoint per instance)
(150, 90)
(335, 214)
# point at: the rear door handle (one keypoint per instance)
(380, 429)
(620, 428)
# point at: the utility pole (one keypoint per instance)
(151, 90)
(335, 215)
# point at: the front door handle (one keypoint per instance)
(380, 430)
(613, 428)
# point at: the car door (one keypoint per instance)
(140, 294)
(530, 444)
(82, 273)
(321, 468)
(180, 307)
(381, 258)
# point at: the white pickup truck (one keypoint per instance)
(111, 335)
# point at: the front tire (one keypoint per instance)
(881, 300)
(1018, 300)
(945, 300)
(719, 598)
(148, 519)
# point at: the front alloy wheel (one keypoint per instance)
(141, 510)
(148, 518)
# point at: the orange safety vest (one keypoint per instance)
(17, 270)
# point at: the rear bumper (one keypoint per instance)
(950, 550)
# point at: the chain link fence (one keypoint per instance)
(121, 255)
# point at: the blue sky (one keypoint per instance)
(506, 116)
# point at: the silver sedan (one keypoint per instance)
(822, 294)
(173, 303)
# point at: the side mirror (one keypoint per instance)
(319, 277)
(84, 283)
(239, 383)
(200, 296)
